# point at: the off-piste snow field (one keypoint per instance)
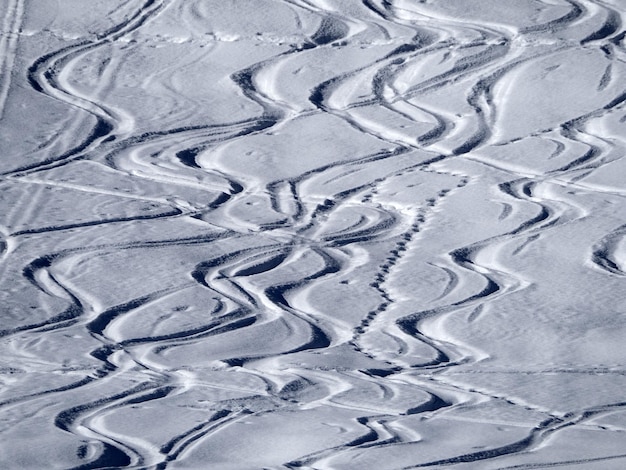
(319, 234)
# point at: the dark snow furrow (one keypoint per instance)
(66, 419)
(177, 446)
(72, 386)
(604, 251)
(576, 11)
(330, 30)
(564, 463)
(114, 220)
(100, 323)
(228, 322)
(110, 457)
(611, 25)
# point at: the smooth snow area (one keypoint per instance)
(320, 234)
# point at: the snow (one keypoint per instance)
(312, 234)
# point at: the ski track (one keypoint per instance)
(11, 24)
(185, 287)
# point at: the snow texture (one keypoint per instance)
(319, 234)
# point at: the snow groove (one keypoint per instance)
(325, 235)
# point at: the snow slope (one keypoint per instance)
(323, 234)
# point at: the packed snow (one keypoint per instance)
(321, 234)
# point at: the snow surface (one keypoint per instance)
(322, 234)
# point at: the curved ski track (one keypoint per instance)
(319, 289)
